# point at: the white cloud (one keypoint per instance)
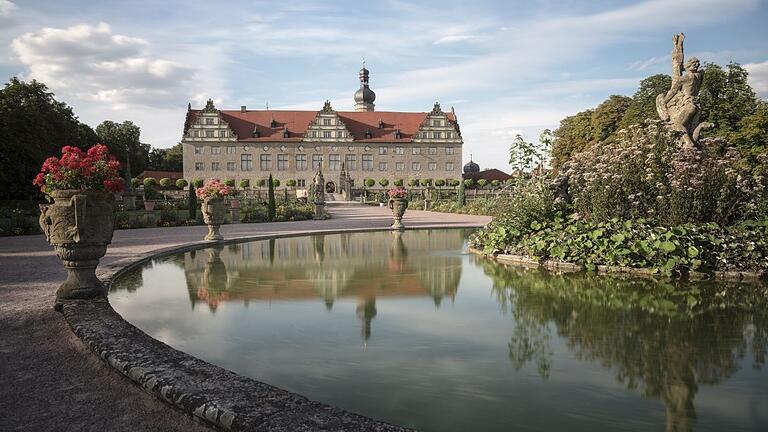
(758, 77)
(91, 62)
(6, 7)
(454, 39)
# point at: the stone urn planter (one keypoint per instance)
(398, 207)
(79, 225)
(213, 216)
(149, 206)
(235, 204)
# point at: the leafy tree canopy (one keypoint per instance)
(727, 101)
(33, 126)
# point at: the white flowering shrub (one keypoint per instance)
(645, 173)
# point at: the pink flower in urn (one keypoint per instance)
(397, 193)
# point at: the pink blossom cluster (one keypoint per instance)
(214, 188)
(95, 169)
(397, 193)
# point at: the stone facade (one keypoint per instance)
(292, 145)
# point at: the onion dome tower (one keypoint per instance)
(364, 96)
(471, 167)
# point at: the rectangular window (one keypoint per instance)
(314, 134)
(351, 162)
(196, 133)
(230, 166)
(301, 183)
(449, 135)
(400, 166)
(326, 122)
(449, 150)
(209, 121)
(215, 150)
(265, 162)
(334, 162)
(398, 150)
(230, 149)
(246, 162)
(209, 134)
(432, 166)
(433, 150)
(282, 162)
(367, 162)
(199, 166)
(301, 162)
(449, 166)
(214, 166)
(382, 166)
(416, 166)
(199, 149)
(222, 133)
(416, 150)
(327, 134)
(382, 150)
(436, 123)
(317, 161)
(437, 135)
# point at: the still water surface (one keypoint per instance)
(412, 329)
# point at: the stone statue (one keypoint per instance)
(319, 187)
(680, 106)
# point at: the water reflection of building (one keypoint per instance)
(365, 266)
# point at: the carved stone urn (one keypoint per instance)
(398, 207)
(213, 216)
(79, 225)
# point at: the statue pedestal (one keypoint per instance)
(129, 201)
(235, 215)
(427, 204)
(149, 218)
(319, 211)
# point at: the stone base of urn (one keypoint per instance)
(213, 216)
(398, 207)
(235, 212)
(79, 226)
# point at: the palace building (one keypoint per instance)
(293, 145)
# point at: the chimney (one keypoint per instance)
(242, 108)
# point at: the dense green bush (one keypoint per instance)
(165, 182)
(18, 223)
(245, 183)
(181, 184)
(633, 243)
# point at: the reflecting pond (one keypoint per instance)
(412, 329)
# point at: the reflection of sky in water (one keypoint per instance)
(360, 321)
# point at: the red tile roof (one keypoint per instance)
(489, 174)
(297, 122)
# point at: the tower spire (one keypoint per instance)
(364, 96)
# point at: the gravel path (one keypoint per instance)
(49, 381)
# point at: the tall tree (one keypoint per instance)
(574, 135)
(123, 139)
(726, 98)
(33, 126)
(607, 117)
(170, 159)
(643, 105)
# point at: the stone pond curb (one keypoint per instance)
(563, 266)
(207, 392)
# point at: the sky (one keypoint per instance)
(507, 67)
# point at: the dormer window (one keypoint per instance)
(256, 133)
(286, 134)
(273, 124)
(398, 134)
(368, 134)
(381, 124)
